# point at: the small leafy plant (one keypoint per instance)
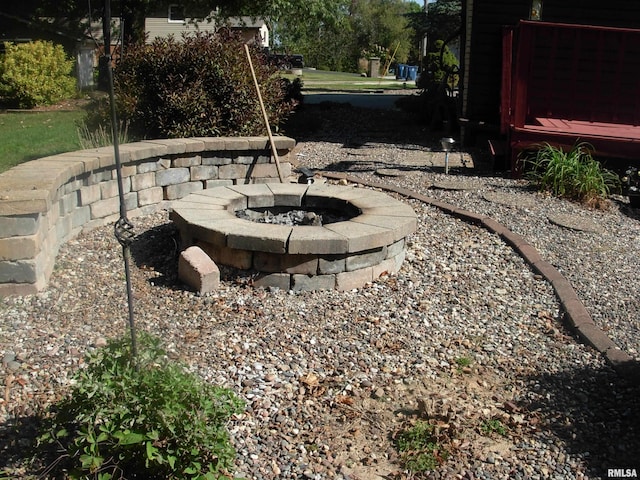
(419, 448)
(150, 420)
(494, 425)
(574, 174)
(463, 361)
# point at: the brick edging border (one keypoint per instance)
(576, 316)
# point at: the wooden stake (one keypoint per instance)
(264, 114)
(388, 63)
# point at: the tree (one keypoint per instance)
(329, 33)
(382, 27)
(334, 34)
(444, 19)
(318, 29)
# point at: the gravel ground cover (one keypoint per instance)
(465, 336)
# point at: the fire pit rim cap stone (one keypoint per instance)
(303, 239)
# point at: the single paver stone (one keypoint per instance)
(196, 269)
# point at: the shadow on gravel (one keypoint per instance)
(629, 211)
(17, 446)
(359, 128)
(157, 249)
(595, 414)
(354, 127)
(371, 166)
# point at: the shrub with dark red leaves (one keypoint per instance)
(199, 85)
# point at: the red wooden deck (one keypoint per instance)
(597, 129)
(566, 83)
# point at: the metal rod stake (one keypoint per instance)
(123, 228)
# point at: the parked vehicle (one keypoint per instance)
(286, 61)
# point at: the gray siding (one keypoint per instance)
(158, 26)
(162, 27)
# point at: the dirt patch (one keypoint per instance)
(70, 105)
(361, 430)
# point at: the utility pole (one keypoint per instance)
(103, 75)
(423, 41)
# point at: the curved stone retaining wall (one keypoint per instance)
(46, 202)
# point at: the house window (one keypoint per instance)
(176, 13)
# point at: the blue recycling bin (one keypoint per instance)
(412, 72)
(401, 72)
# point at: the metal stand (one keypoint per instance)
(447, 146)
(123, 229)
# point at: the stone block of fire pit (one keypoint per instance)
(360, 233)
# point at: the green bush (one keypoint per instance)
(155, 421)
(34, 74)
(198, 86)
(574, 174)
(436, 103)
(435, 70)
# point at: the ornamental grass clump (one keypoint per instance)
(575, 174)
(149, 419)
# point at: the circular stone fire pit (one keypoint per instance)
(368, 241)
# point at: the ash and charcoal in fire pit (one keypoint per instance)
(292, 217)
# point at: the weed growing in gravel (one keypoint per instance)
(574, 174)
(488, 427)
(154, 421)
(462, 362)
(419, 449)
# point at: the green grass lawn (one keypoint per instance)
(28, 135)
(319, 80)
